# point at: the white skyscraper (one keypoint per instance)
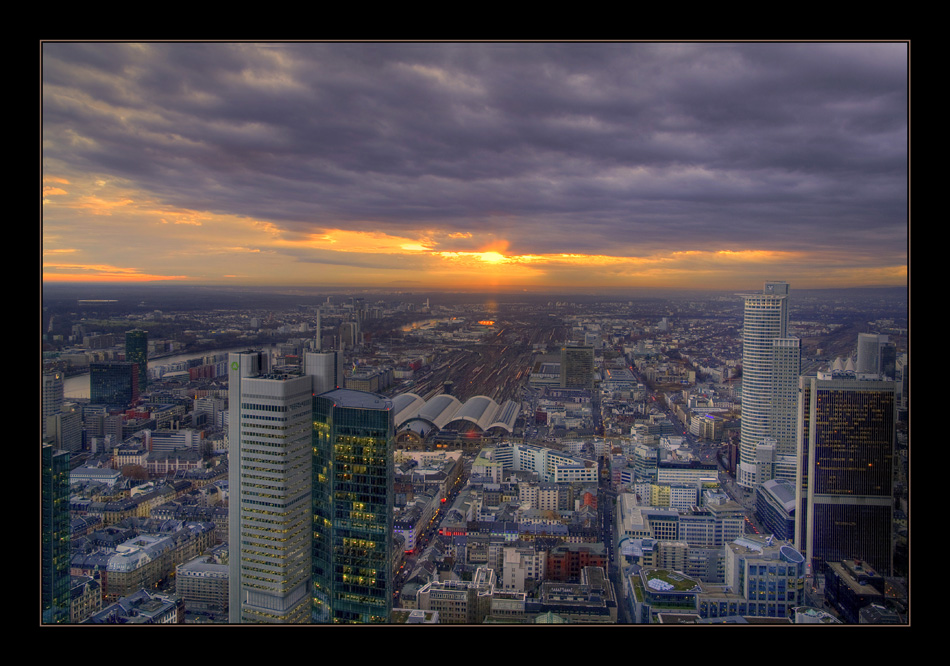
(326, 369)
(269, 505)
(771, 363)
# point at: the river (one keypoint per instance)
(77, 386)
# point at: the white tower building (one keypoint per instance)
(771, 363)
(270, 460)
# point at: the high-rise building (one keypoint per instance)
(269, 519)
(577, 366)
(771, 362)
(783, 411)
(64, 431)
(113, 383)
(326, 369)
(353, 437)
(845, 481)
(876, 355)
(136, 351)
(55, 536)
(53, 395)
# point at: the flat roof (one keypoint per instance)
(357, 399)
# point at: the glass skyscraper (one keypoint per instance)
(771, 363)
(845, 481)
(136, 351)
(56, 538)
(113, 383)
(353, 437)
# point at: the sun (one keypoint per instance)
(492, 257)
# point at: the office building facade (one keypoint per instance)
(876, 355)
(353, 438)
(136, 351)
(53, 389)
(326, 369)
(771, 362)
(55, 536)
(577, 367)
(113, 383)
(845, 480)
(269, 460)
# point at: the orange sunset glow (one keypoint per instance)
(456, 166)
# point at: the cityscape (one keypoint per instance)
(498, 460)
(475, 334)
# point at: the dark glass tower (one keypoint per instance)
(577, 366)
(113, 383)
(55, 537)
(353, 435)
(136, 351)
(845, 481)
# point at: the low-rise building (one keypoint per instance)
(851, 585)
(770, 574)
(141, 607)
(85, 598)
(459, 602)
(590, 601)
(202, 583)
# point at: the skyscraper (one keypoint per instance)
(844, 485)
(55, 535)
(113, 383)
(269, 433)
(770, 365)
(53, 396)
(577, 366)
(876, 355)
(136, 351)
(326, 369)
(783, 411)
(353, 437)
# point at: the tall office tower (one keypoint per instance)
(136, 351)
(844, 485)
(353, 437)
(326, 369)
(269, 519)
(876, 355)
(767, 366)
(577, 366)
(64, 430)
(783, 411)
(113, 383)
(349, 334)
(56, 536)
(52, 396)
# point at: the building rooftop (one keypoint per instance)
(354, 399)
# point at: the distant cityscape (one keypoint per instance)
(218, 456)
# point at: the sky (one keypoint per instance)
(478, 166)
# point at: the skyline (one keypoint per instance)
(476, 165)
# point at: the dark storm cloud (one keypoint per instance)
(651, 144)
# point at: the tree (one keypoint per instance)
(136, 472)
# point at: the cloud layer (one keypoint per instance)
(636, 153)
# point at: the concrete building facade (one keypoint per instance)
(269, 481)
